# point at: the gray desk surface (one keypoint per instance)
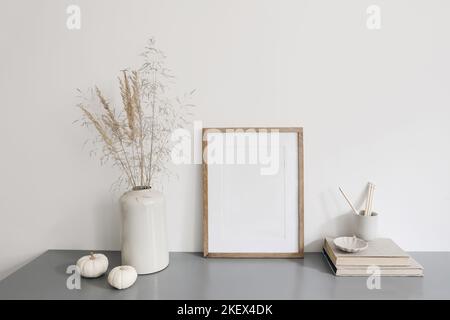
(190, 276)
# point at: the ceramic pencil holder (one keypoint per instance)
(365, 227)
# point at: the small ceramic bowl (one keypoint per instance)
(350, 244)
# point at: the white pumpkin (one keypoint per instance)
(122, 277)
(93, 265)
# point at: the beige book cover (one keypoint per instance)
(381, 252)
(414, 269)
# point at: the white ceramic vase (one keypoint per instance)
(144, 233)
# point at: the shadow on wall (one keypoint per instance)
(197, 206)
(107, 223)
(335, 226)
(338, 226)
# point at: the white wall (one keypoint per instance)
(374, 106)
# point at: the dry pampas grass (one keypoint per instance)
(136, 137)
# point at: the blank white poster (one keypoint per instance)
(253, 204)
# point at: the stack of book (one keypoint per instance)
(390, 259)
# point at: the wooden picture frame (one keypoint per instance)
(299, 252)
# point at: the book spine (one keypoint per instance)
(390, 262)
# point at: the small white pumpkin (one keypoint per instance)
(93, 265)
(122, 277)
